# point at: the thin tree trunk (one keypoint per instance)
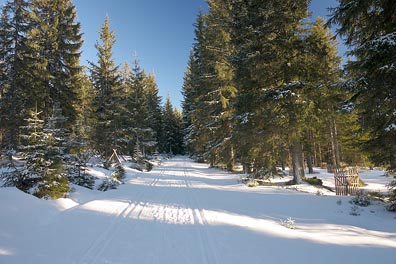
(310, 151)
(309, 163)
(230, 163)
(334, 145)
(320, 159)
(212, 161)
(297, 161)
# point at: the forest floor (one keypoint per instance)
(184, 212)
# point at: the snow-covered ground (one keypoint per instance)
(183, 212)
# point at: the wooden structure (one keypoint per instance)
(115, 158)
(346, 181)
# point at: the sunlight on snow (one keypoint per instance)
(320, 233)
(176, 215)
(106, 206)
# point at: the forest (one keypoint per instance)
(264, 88)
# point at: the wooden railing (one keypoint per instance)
(346, 181)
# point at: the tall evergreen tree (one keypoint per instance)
(267, 40)
(154, 111)
(14, 26)
(219, 80)
(142, 135)
(369, 30)
(172, 129)
(105, 80)
(55, 43)
(198, 89)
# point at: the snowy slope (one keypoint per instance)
(183, 212)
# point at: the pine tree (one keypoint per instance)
(55, 43)
(154, 111)
(198, 134)
(43, 147)
(32, 137)
(141, 134)
(327, 122)
(14, 25)
(188, 91)
(54, 183)
(369, 30)
(219, 79)
(105, 80)
(172, 129)
(267, 61)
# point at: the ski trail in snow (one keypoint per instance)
(99, 245)
(165, 217)
(207, 244)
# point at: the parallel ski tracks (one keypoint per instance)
(95, 252)
(206, 240)
(99, 245)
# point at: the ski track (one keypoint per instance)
(206, 240)
(96, 249)
(165, 213)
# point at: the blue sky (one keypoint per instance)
(160, 31)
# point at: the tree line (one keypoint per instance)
(265, 87)
(53, 110)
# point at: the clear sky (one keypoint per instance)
(160, 31)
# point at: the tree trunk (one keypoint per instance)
(212, 161)
(297, 161)
(320, 159)
(309, 163)
(230, 163)
(334, 144)
(310, 151)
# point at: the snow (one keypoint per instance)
(184, 212)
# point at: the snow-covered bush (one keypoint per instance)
(361, 199)
(79, 177)
(76, 173)
(289, 223)
(116, 179)
(118, 173)
(149, 166)
(109, 184)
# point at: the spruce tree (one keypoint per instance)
(141, 134)
(105, 80)
(267, 43)
(43, 146)
(153, 101)
(189, 91)
(219, 79)
(198, 134)
(172, 129)
(368, 28)
(55, 43)
(15, 23)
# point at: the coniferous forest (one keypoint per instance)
(264, 88)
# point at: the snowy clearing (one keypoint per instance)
(183, 212)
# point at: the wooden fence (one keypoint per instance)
(346, 181)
